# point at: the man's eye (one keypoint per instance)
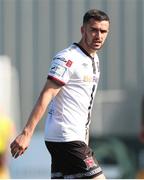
(103, 31)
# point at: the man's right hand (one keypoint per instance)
(20, 144)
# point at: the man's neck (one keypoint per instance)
(89, 51)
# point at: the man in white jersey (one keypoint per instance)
(69, 91)
(69, 112)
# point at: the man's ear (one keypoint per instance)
(82, 29)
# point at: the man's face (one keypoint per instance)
(94, 34)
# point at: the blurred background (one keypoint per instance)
(31, 32)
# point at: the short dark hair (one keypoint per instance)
(95, 14)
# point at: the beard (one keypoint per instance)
(93, 44)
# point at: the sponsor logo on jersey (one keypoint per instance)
(88, 78)
(51, 111)
(69, 63)
(60, 58)
(58, 70)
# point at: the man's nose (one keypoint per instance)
(98, 35)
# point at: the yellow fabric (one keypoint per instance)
(5, 132)
(4, 173)
(140, 174)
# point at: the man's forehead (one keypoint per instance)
(95, 23)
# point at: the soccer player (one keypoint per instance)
(69, 91)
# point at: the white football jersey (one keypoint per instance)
(69, 112)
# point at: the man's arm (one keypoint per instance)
(21, 142)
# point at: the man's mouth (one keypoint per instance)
(97, 42)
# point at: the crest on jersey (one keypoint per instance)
(69, 63)
(89, 162)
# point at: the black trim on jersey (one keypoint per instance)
(55, 80)
(93, 88)
(90, 106)
(83, 50)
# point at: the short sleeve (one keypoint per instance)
(60, 70)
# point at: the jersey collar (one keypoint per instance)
(84, 51)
